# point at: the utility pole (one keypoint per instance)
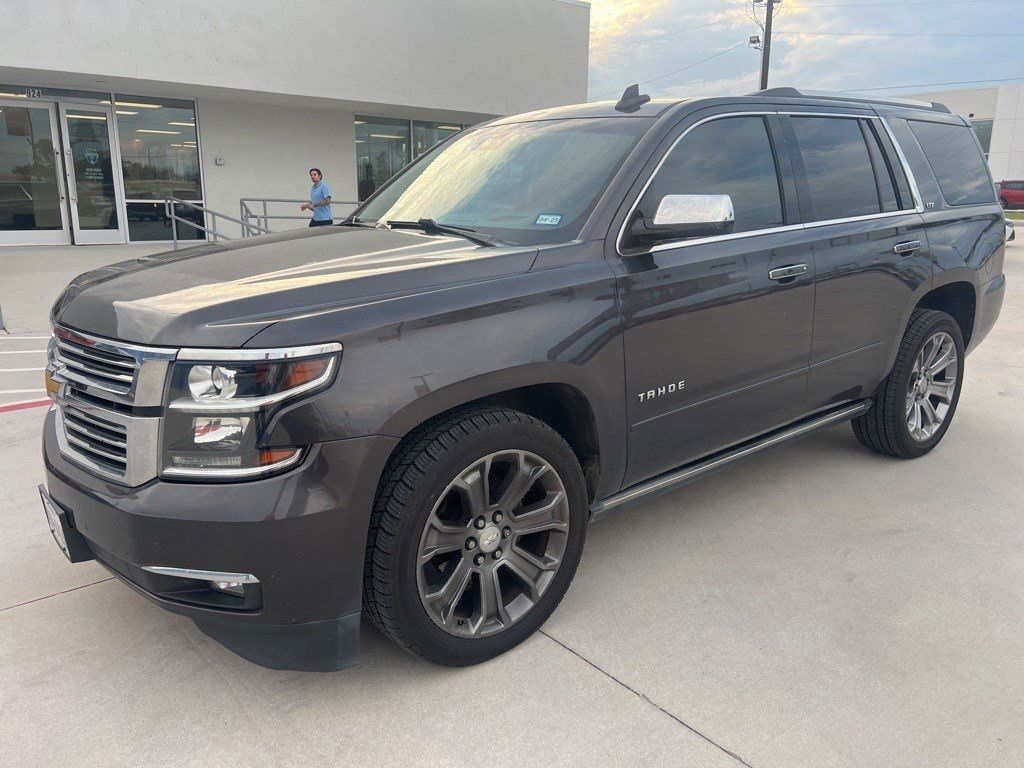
(766, 45)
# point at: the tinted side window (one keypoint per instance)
(838, 167)
(959, 166)
(732, 156)
(883, 172)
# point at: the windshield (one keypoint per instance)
(524, 183)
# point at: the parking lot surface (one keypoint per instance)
(818, 605)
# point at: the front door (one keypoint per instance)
(717, 339)
(93, 174)
(32, 204)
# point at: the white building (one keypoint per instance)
(997, 113)
(109, 105)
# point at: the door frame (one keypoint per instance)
(97, 236)
(60, 236)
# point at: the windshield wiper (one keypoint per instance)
(352, 221)
(431, 227)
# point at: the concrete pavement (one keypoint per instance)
(22, 359)
(818, 605)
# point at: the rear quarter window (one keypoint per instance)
(956, 160)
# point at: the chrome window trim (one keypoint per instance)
(206, 355)
(234, 473)
(249, 404)
(201, 575)
(912, 181)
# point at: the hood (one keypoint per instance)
(223, 295)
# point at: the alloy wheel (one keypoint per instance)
(492, 544)
(932, 386)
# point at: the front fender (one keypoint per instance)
(559, 325)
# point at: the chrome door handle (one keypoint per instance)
(908, 247)
(784, 273)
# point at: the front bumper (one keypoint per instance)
(302, 534)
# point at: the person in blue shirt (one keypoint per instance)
(319, 200)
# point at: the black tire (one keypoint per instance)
(884, 427)
(413, 483)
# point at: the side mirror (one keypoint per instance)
(684, 216)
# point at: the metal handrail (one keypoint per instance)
(209, 216)
(262, 216)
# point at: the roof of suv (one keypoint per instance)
(657, 107)
(652, 108)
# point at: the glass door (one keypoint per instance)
(93, 171)
(32, 204)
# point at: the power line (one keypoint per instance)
(932, 85)
(899, 2)
(668, 34)
(674, 71)
(900, 34)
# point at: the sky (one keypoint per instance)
(818, 44)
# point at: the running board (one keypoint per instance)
(677, 478)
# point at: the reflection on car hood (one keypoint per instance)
(223, 295)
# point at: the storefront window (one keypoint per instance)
(159, 158)
(425, 135)
(29, 196)
(382, 150)
(149, 221)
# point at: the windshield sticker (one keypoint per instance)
(549, 220)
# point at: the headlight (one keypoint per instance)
(220, 402)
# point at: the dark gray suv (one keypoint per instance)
(416, 413)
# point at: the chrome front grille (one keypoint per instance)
(101, 385)
(95, 368)
(103, 441)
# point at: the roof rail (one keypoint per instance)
(793, 92)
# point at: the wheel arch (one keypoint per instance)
(559, 395)
(953, 291)
(957, 298)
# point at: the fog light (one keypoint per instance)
(230, 587)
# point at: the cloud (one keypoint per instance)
(803, 55)
(614, 21)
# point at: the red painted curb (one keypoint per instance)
(6, 407)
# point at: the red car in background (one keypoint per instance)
(1011, 194)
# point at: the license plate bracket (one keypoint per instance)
(68, 540)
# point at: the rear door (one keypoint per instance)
(870, 250)
(715, 348)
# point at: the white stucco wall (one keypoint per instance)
(981, 102)
(267, 151)
(1004, 105)
(1006, 157)
(482, 56)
